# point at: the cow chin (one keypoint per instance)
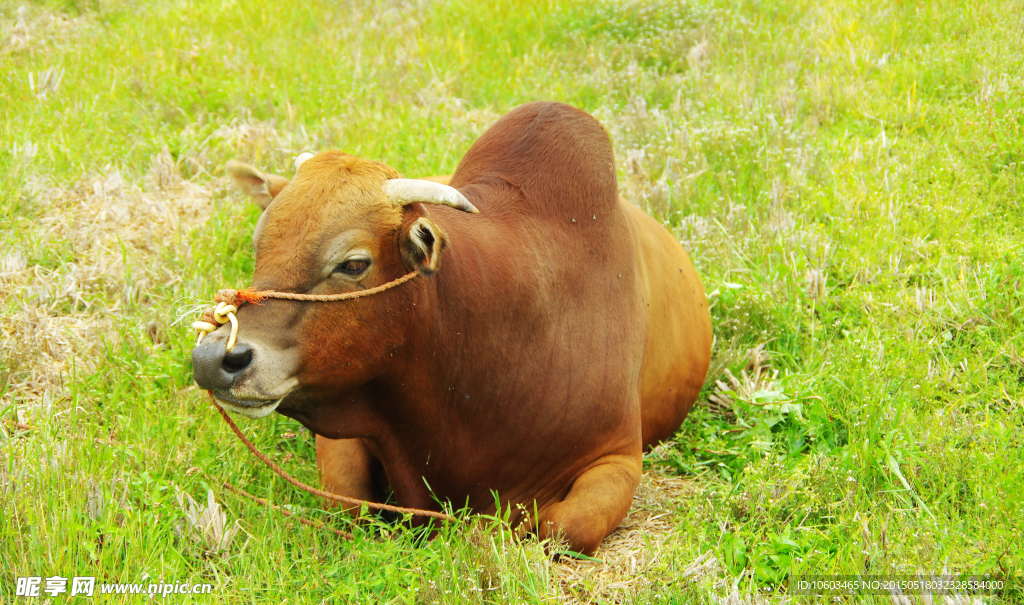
(254, 402)
(252, 410)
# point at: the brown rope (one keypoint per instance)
(284, 511)
(229, 300)
(319, 492)
(237, 298)
(254, 296)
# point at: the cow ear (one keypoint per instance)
(262, 188)
(422, 243)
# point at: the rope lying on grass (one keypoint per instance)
(319, 492)
(284, 511)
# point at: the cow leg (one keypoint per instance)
(346, 469)
(595, 505)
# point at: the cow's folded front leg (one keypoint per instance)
(595, 505)
(346, 469)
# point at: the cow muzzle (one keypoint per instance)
(237, 378)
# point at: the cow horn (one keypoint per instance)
(302, 158)
(403, 192)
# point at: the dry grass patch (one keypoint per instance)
(634, 557)
(121, 238)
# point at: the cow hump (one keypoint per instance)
(559, 157)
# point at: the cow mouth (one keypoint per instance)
(252, 408)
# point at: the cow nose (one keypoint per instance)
(214, 369)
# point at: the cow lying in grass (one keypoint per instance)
(551, 337)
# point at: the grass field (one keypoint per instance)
(848, 176)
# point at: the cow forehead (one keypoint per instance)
(331, 192)
(336, 181)
(334, 163)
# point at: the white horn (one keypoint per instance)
(302, 157)
(403, 192)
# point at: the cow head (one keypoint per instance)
(341, 224)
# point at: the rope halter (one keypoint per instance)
(228, 301)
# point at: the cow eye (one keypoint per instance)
(352, 267)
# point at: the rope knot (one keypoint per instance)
(226, 296)
(250, 295)
(228, 300)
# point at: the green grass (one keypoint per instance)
(849, 178)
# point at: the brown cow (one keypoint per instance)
(549, 339)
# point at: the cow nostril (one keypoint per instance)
(237, 359)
